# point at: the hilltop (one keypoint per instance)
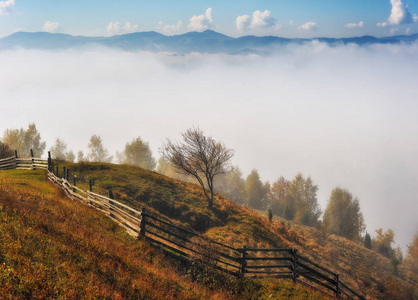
(208, 41)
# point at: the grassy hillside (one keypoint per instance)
(52, 247)
(184, 203)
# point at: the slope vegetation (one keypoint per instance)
(52, 247)
(184, 204)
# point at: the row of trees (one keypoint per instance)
(203, 160)
(136, 152)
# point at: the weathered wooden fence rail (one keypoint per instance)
(186, 245)
(30, 163)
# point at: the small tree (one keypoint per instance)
(80, 156)
(254, 190)
(24, 140)
(411, 259)
(367, 241)
(138, 153)
(58, 151)
(97, 151)
(270, 214)
(231, 185)
(343, 216)
(199, 156)
(5, 151)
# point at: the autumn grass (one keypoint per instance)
(184, 204)
(53, 247)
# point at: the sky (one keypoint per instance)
(286, 18)
(346, 115)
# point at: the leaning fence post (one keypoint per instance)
(243, 261)
(142, 229)
(295, 264)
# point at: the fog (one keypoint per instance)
(346, 116)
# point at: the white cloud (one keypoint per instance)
(309, 26)
(243, 22)
(118, 28)
(393, 31)
(7, 7)
(398, 15)
(52, 27)
(259, 19)
(355, 25)
(201, 22)
(383, 24)
(408, 30)
(170, 28)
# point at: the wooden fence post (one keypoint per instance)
(74, 183)
(337, 285)
(56, 172)
(295, 264)
(243, 261)
(68, 174)
(31, 155)
(142, 229)
(64, 171)
(90, 185)
(16, 154)
(110, 195)
(50, 168)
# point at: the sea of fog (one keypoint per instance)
(346, 116)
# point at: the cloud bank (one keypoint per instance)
(346, 116)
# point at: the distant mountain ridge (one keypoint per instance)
(208, 41)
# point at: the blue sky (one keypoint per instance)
(289, 18)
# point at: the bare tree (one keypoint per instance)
(198, 156)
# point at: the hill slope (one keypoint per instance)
(184, 204)
(52, 247)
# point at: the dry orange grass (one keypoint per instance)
(52, 247)
(184, 204)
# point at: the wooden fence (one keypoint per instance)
(186, 245)
(30, 163)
